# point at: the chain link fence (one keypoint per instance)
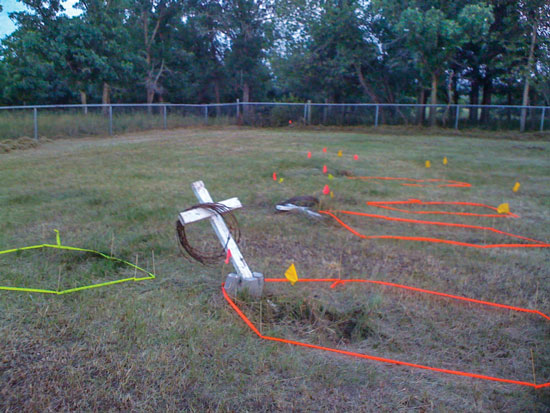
(55, 121)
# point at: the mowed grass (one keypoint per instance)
(173, 344)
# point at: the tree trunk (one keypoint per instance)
(456, 95)
(433, 99)
(106, 98)
(246, 99)
(217, 94)
(509, 103)
(150, 95)
(449, 98)
(369, 91)
(421, 112)
(532, 117)
(486, 99)
(150, 98)
(83, 101)
(246, 92)
(364, 84)
(530, 59)
(474, 100)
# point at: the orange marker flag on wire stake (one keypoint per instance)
(516, 187)
(503, 208)
(309, 155)
(326, 190)
(228, 256)
(291, 274)
(356, 157)
(274, 176)
(325, 169)
(325, 150)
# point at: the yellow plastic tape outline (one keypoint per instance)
(149, 275)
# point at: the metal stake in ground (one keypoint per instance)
(243, 279)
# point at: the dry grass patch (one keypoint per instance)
(173, 344)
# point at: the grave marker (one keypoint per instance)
(243, 279)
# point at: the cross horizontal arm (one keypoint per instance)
(198, 214)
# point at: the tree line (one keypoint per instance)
(208, 51)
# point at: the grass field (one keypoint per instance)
(173, 343)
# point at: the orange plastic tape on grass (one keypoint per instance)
(390, 205)
(533, 243)
(336, 281)
(417, 182)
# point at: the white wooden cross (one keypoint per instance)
(244, 277)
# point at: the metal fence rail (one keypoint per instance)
(96, 119)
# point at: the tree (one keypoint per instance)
(486, 61)
(76, 56)
(434, 37)
(202, 39)
(247, 28)
(327, 58)
(381, 51)
(108, 43)
(532, 12)
(151, 25)
(32, 58)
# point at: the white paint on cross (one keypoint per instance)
(219, 226)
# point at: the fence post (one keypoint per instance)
(238, 108)
(376, 117)
(305, 113)
(35, 119)
(164, 117)
(110, 120)
(542, 119)
(457, 115)
(309, 111)
(206, 113)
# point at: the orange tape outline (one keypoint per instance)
(384, 204)
(422, 182)
(336, 281)
(535, 243)
(418, 182)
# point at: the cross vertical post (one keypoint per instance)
(244, 278)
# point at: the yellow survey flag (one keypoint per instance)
(330, 176)
(503, 208)
(428, 164)
(445, 160)
(516, 187)
(281, 180)
(291, 274)
(331, 194)
(340, 153)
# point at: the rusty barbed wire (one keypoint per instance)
(208, 257)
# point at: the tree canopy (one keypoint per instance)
(204, 51)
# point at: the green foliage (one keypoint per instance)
(434, 37)
(246, 27)
(216, 51)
